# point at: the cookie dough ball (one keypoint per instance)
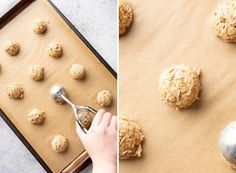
(15, 91)
(36, 116)
(104, 98)
(59, 144)
(180, 85)
(12, 47)
(36, 72)
(85, 118)
(125, 16)
(55, 50)
(130, 138)
(39, 26)
(224, 21)
(77, 71)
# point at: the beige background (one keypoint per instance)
(163, 33)
(15, 69)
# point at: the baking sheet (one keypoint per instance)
(164, 33)
(60, 118)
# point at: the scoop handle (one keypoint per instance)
(81, 125)
(88, 108)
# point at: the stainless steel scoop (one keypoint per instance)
(58, 93)
(228, 143)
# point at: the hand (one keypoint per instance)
(101, 142)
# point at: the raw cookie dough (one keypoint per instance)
(180, 85)
(130, 138)
(77, 71)
(125, 16)
(104, 98)
(224, 21)
(36, 116)
(15, 91)
(85, 118)
(39, 26)
(55, 50)
(230, 165)
(12, 47)
(36, 72)
(59, 144)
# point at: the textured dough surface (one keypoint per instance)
(224, 21)
(180, 85)
(230, 165)
(12, 48)
(15, 91)
(36, 72)
(77, 71)
(172, 33)
(39, 26)
(104, 98)
(130, 138)
(125, 16)
(59, 144)
(85, 118)
(36, 116)
(55, 50)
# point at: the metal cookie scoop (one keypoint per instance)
(228, 143)
(58, 93)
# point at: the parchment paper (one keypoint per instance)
(164, 33)
(60, 118)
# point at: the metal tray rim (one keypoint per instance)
(3, 21)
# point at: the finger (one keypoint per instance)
(98, 118)
(106, 119)
(79, 131)
(113, 123)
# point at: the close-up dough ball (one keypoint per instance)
(104, 98)
(224, 21)
(36, 72)
(12, 47)
(59, 144)
(36, 116)
(15, 91)
(77, 71)
(180, 85)
(125, 16)
(85, 118)
(39, 26)
(55, 50)
(130, 138)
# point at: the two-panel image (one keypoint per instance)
(117, 86)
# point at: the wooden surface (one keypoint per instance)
(165, 33)
(60, 119)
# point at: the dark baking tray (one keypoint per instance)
(14, 11)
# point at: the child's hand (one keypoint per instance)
(100, 142)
